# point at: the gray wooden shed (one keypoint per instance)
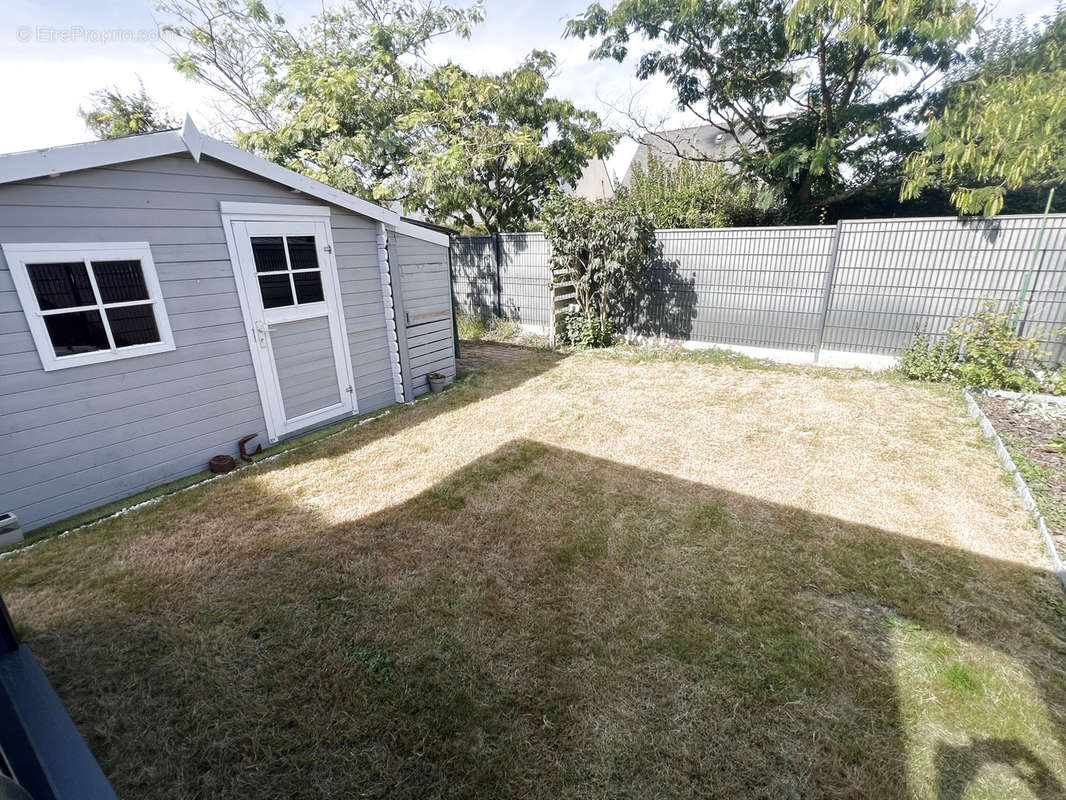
(163, 295)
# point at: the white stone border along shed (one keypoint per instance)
(164, 295)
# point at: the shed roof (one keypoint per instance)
(87, 155)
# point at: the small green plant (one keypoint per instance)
(928, 361)
(984, 351)
(580, 330)
(992, 354)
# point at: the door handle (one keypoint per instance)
(261, 333)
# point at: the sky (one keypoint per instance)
(53, 54)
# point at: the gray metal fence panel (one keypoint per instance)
(761, 287)
(894, 277)
(525, 292)
(860, 286)
(474, 274)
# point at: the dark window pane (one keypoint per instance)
(132, 325)
(302, 253)
(120, 281)
(308, 286)
(269, 253)
(276, 290)
(63, 285)
(79, 332)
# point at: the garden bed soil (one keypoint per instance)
(1035, 434)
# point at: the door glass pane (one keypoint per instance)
(132, 325)
(269, 253)
(302, 253)
(64, 285)
(120, 281)
(276, 290)
(308, 286)
(78, 332)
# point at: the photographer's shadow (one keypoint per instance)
(958, 766)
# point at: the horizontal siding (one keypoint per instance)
(355, 245)
(427, 304)
(80, 437)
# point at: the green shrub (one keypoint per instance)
(603, 251)
(992, 354)
(984, 351)
(928, 361)
(689, 194)
(579, 330)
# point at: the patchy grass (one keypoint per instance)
(576, 577)
(477, 329)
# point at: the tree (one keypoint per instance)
(115, 114)
(819, 95)
(604, 249)
(693, 195)
(324, 100)
(489, 148)
(1003, 125)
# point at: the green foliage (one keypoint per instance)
(603, 249)
(351, 101)
(1003, 126)
(114, 114)
(928, 361)
(983, 351)
(818, 94)
(578, 329)
(490, 148)
(695, 195)
(324, 100)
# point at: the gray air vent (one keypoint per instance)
(10, 532)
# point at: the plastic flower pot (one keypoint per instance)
(437, 381)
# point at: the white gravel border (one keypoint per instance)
(1019, 484)
(239, 468)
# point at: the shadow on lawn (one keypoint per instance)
(476, 383)
(548, 624)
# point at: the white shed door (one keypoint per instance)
(291, 300)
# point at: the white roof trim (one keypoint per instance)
(419, 232)
(70, 158)
(193, 139)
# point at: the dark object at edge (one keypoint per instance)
(47, 757)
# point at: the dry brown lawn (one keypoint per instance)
(577, 577)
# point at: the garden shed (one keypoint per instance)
(164, 295)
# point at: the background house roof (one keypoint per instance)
(705, 140)
(595, 182)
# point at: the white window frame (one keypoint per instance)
(19, 255)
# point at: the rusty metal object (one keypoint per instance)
(245, 455)
(220, 464)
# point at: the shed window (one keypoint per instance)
(87, 303)
(288, 270)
